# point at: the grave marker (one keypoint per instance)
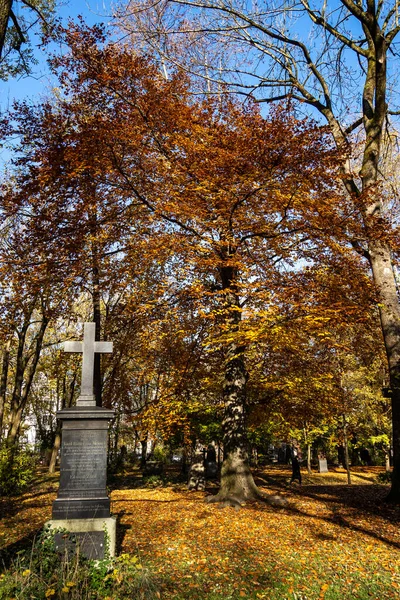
(82, 505)
(322, 465)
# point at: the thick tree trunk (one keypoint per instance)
(389, 310)
(374, 113)
(236, 479)
(237, 483)
(374, 109)
(5, 10)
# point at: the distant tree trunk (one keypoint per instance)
(143, 457)
(197, 472)
(25, 375)
(307, 442)
(387, 459)
(5, 10)
(3, 383)
(309, 470)
(55, 450)
(185, 457)
(117, 422)
(346, 451)
(237, 482)
(66, 402)
(96, 300)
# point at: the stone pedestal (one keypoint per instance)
(82, 503)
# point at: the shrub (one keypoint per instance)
(153, 481)
(385, 477)
(43, 573)
(17, 470)
(160, 454)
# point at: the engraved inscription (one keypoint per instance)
(80, 509)
(84, 460)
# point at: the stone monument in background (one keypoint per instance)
(82, 507)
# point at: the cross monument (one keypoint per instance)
(88, 348)
(82, 506)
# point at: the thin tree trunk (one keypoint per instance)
(309, 470)
(66, 402)
(3, 383)
(55, 450)
(20, 367)
(346, 451)
(96, 300)
(387, 459)
(20, 403)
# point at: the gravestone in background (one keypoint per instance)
(82, 506)
(211, 463)
(322, 465)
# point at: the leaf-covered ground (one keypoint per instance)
(331, 541)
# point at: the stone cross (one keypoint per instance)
(88, 348)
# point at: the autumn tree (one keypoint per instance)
(345, 68)
(236, 197)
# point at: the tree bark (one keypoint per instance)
(54, 452)
(3, 383)
(237, 483)
(374, 112)
(25, 375)
(66, 402)
(97, 375)
(143, 456)
(346, 451)
(5, 10)
(96, 303)
(309, 470)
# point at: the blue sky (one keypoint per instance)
(40, 83)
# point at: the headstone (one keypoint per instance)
(211, 470)
(322, 465)
(82, 506)
(211, 463)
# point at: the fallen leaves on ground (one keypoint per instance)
(329, 542)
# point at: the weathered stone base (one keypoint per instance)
(88, 533)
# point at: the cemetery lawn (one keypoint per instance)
(332, 541)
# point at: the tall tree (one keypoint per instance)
(235, 196)
(349, 53)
